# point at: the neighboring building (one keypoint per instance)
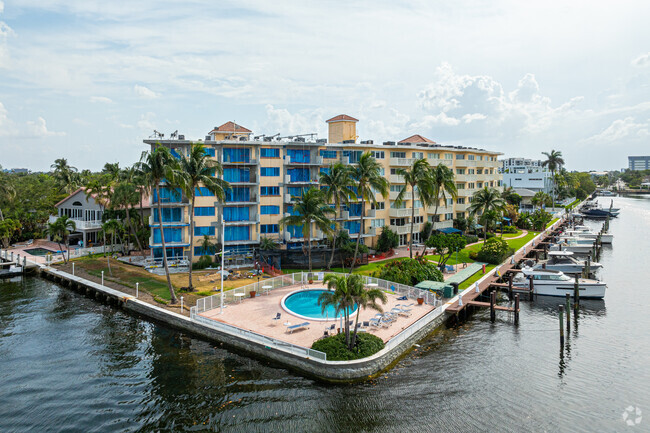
(265, 173)
(638, 162)
(86, 212)
(525, 173)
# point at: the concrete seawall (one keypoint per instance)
(329, 371)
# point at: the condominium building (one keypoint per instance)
(525, 173)
(638, 162)
(265, 173)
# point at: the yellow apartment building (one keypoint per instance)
(266, 172)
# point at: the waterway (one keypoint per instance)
(70, 364)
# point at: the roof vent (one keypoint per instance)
(368, 142)
(348, 141)
(389, 143)
(321, 140)
(181, 137)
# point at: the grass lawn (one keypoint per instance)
(156, 285)
(477, 276)
(363, 270)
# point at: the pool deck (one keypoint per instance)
(257, 315)
(38, 243)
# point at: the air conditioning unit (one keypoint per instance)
(243, 138)
(389, 143)
(368, 142)
(348, 141)
(208, 138)
(268, 138)
(181, 137)
(321, 140)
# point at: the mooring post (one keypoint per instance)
(531, 289)
(12, 257)
(561, 308)
(137, 288)
(510, 286)
(102, 278)
(476, 287)
(72, 268)
(24, 263)
(493, 301)
(576, 292)
(18, 260)
(460, 300)
(181, 305)
(568, 310)
(545, 251)
(517, 309)
(588, 267)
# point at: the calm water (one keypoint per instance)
(69, 364)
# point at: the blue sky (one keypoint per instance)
(88, 80)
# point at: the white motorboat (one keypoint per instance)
(564, 237)
(570, 245)
(556, 283)
(563, 261)
(586, 232)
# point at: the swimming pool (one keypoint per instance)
(304, 304)
(39, 251)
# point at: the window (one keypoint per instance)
(380, 205)
(353, 227)
(241, 193)
(377, 154)
(325, 170)
(460, 186)
(449, 216)
(480, 157)
(434, 156)
(460, 171)
(449, 156)
(204, 211)
(296, 191)
(395, 188)
(270, 190)
(172, 234)
(460, 156)
(382, 171)
(398, 154)
(393, 205)
(353, 155)
(479, 171)
(266, 152)
(394, 170)
(269, 228)
(237, 233)
(449, 202)
(460, 200)
(418, 155)
(202, 231)
(298, 155)
(298, 174)
(270, 171)
(203, 192)
(470, 157)
(209, 151)
(328, 154)
(470, 185)
(237, 174)
(460, 214)
(236, 155)
(354, 209)
(169, 215)
(379, 222)
(167, 195)
(236, 214)
(434, 218)
(398, 221)
(417, 204)
(471, 171)
(418, 219)
(174, 153)
(479, 184)
(199, 251)
(269, 210)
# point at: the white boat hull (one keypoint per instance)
(578, 249)
(591, 291)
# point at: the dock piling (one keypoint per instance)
(137, 288)
(561, 308)
(568, 311)
(72, 268)
(493, 301)
(102, 278)
(531, 287)
(516, 309)
(510, 286)
(576, 292)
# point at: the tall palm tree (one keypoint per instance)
(484, 202)
(112, 170)
(367, 177)
(66, 175)
(442, 182)
(310, 208)
(541, 199)
(156, 167)
(336, 186)
(554, 162)
(198, 169)
(125, 196)
(345, 293)
(418, 178)
(60, 231)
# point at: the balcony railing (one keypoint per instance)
(249, 162)
(400, 213)
(185, 219)
(316, 160)
(80, 224)
(402, 230)
(396, 178)
(404, 162)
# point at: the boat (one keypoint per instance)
(556, 283)
(606, 193)
(597, 213)
(577, 239)
(586, 233)
(569, 245)
(563, 261)
(13, 271)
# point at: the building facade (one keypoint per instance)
(266, 173)
(638, 162)
(525, 173)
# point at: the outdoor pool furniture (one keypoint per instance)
(402, 298)
(240, 296)
(401, 312)
(277, 317)
(330, 329)
(267, 289)
(292, 328)
(374, 323)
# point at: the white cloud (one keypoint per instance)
(101, 99)
(642, 60)
(31, 129)
(621, 129)
(2, 6)
(283, 121)
(38, 129)
(146, 122)
(144, 92)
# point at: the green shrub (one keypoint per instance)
(203, 262)
(409, 271)
(336, 350)
(489, 235)
(473, 255)
(387, 240)
(494, 251)
(509, 229)
(471, 239)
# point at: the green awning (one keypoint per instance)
(431, 285)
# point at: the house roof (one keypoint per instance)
(230, 127)
(72, 195)
(342, 118)
(417, 138)
(524, 192)
(145, 198)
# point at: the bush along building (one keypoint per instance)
(266, 172)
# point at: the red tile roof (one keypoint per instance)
(230, 127)
(341, 118)
(417, 138)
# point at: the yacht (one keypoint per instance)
(587, 233)
(563, 261)
(566, 237)
(556, 283)
(571, 245)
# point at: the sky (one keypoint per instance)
(88, 80)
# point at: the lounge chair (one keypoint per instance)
(277, 317)
(374, 323)
(361, 328)
(330, 329)
(401, 312)
(292, 328)
(402, 298)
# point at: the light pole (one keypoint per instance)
(222, 252)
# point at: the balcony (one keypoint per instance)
(461, 207)
(345, 215)
(396, 178)
(168, 244)
(185, 219)
(370, 232)
(401, 213)
(81, 225)
(315, 236)
(466, 163)
(252, 219)
(441, 209)
(402, 162)
(288, 181)
(249, 162)
(253, 199)
(316, 161)
(402, 230)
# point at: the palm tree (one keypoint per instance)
(541, 199)
(60, 231)
(418, 178)
(197, 169)
(66, 175)
(554, 162)
(310, 208)
(7, 192)
(125, 195)
(442, 182)
(367, 177)
(345, 293)
(267, 244)
(485, 201)
(156, 167)
(112, 170)
(336, 186)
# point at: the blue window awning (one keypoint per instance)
(449, 230)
